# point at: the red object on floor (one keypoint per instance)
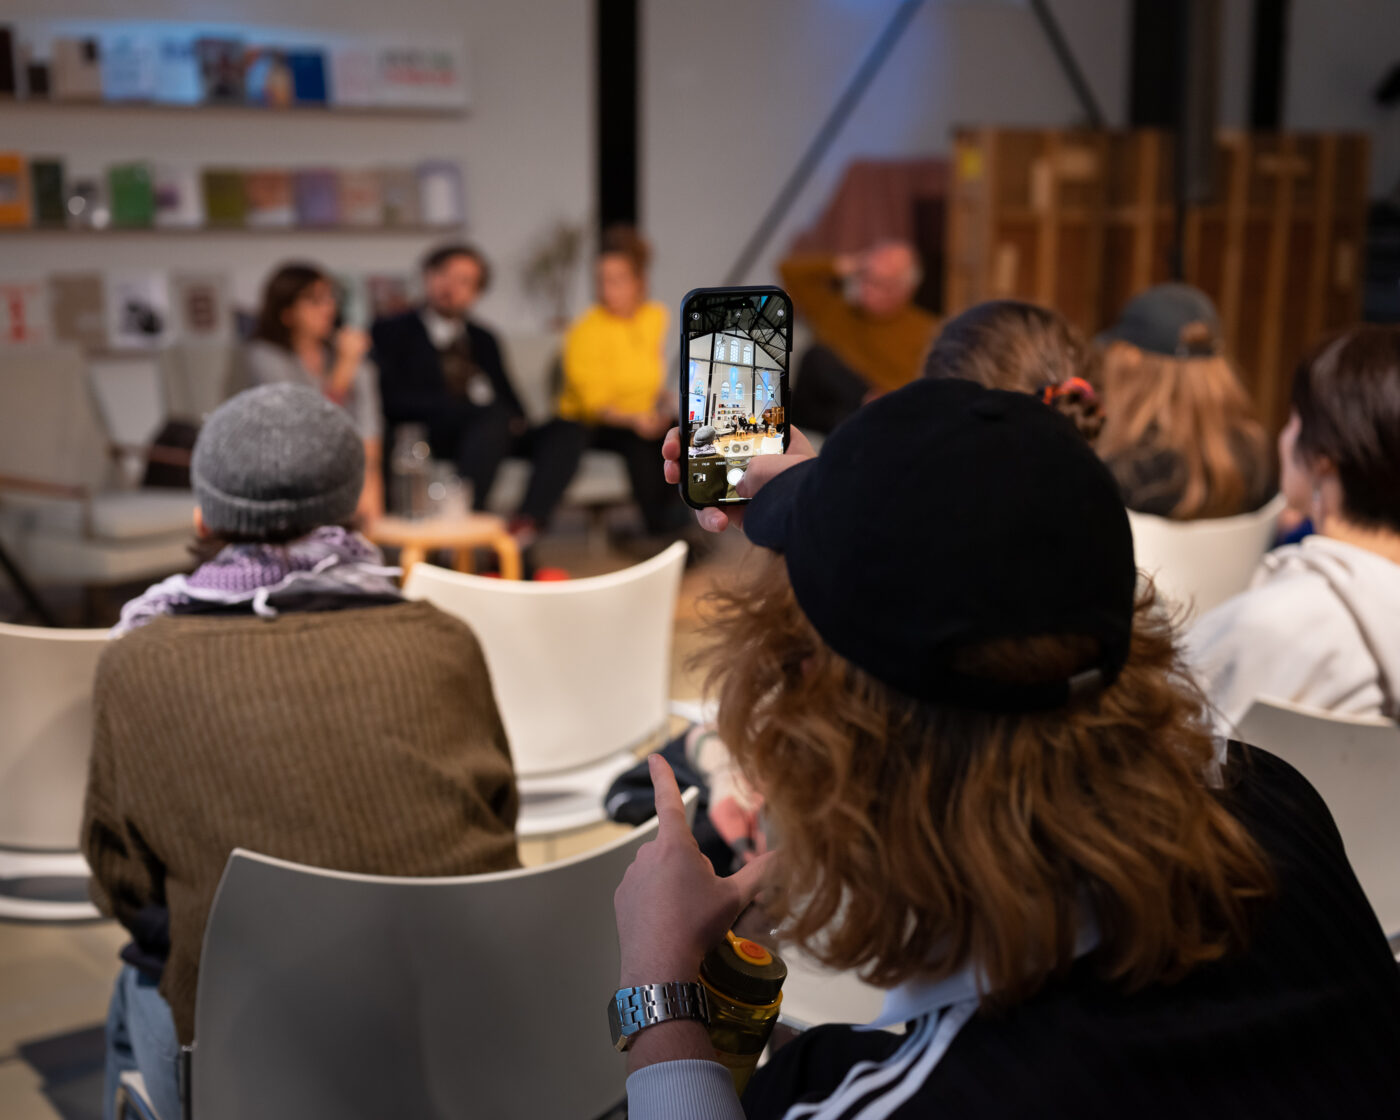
(550, 575)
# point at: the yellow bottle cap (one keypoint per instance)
(748, 950)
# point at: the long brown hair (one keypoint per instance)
(1023, 348)
(1192, 406)
(917, 840)
(283, 288)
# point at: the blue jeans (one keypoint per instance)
(141, 1036)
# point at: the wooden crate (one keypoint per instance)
(1081, 221)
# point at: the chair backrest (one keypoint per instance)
(531, 360)
(1199, 564)
(581, 668)
(328, 994)
(1354, 763)
(196, 378)
(46, 679)
(49, 425)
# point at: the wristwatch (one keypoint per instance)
(632, 1010)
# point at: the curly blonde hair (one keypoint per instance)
(916, 840)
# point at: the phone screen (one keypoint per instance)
(736, 347)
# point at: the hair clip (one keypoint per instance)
(1069, 385)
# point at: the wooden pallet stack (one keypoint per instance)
(1081, 220)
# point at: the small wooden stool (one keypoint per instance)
(459, 535)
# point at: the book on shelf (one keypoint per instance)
(37, 85)
(220, 69)
(24, 311)
(421, 75)
(46, 192)
(128, 66)
(308, 69)
(87, 203)
(179, 80)
(399, 194)
(269, 198)
(179, 200)
(75, 69)
(9, 73)
(352, 75)
(138, 309)
(388, 294)
(131, 195)
(14, 190)
(200, 306)
(78, 309)
(267, 79)
(440, 193)
(317, 191)
(224, 200)
(361, 198)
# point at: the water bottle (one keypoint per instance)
(744, 987)
(408, 471)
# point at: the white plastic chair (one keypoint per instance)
(581, 669)
(1197, 565)
(46, 679)
(323, 993)
(814, 995)
(1354, 763)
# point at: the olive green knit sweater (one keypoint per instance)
(362, 740)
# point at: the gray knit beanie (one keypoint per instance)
(276, 462)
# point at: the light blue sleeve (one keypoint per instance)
(689, 1089)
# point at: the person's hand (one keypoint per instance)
(351, 345)
(671, 906)
(760, 469)
(651, 425)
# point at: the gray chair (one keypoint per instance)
(66, 515)
(46, 679)
(323, 993)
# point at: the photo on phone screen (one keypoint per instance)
(736, 345)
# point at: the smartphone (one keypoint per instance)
(736, 346)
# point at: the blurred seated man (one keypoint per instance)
(440, 369)
(283, 697)
(870, 338)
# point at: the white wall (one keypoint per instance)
(734, 90)
(525, 145)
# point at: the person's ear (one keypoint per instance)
(201, 530)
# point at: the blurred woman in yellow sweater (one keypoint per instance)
(614, 395)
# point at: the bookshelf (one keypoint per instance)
(220, 231)
(319, 111)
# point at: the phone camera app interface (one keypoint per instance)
(737, 349)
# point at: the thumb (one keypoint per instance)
(748, 880)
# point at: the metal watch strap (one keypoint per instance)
(649, 1004)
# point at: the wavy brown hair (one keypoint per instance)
(1192, 406)
(1023, 348)
(918, 839)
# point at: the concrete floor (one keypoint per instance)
(55, 980)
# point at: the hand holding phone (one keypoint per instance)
(736, 347)
(715, 520)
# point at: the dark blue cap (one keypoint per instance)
(945, 515)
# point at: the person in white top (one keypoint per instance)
(1318, 624)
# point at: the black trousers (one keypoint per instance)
(826, 391)
(476, 439)
(559, 446)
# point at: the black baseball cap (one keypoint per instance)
(944, 515)
(1154, 320)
